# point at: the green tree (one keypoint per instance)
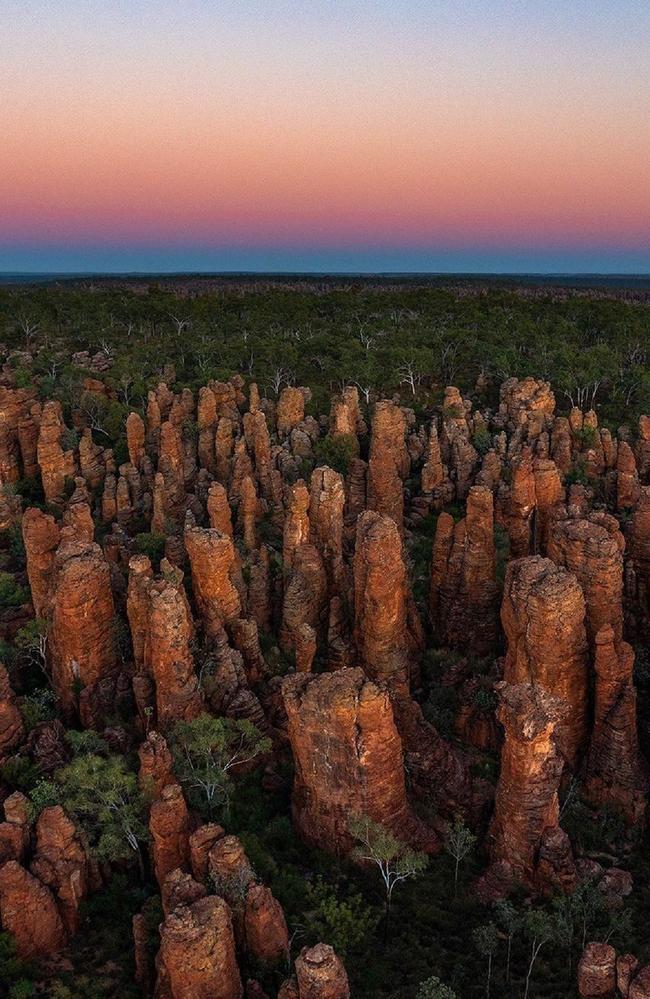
(433, 988)
(103, 797)
(459, 842)
(486, 939)
(394, 859)
(207, 751)
(344, 923)
(509, 921)
(540, 928)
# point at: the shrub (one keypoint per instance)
(11, 594)
(152, 545)
(337, 452)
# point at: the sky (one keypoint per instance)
(349, 135)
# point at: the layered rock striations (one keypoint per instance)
(543, 615)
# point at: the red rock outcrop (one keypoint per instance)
(616, 775)
(526, 808)
(197, 957)
(305, 596)
(521, 399)
(82, 635)
(137, 605)
(15, 830)
(516, 505)
(593, 550)
(549, 494)
(348, 757)
(219, 512)
(627, 478)
(168, 657)
(212, 558)
(597, 971)
(55, 464)
(296, 523)
(543, 618)
(463, 577)
(388, 463)
(201, 842)
(41, 536)
(267, 937)
(12, 729)
(29, 913)
(60, 862)
(345, 414)
(385, 644)
(135, 439)
(170, 827)
(290, 410)
(156, 766)
(327, 502)
(320, 974)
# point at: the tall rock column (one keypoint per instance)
(616, 775)
(82, 634)
(168, 658)
(526, 807)
(197, 958)
(543, 618)
(348, 757)
(389, 462)
(463, 577)
(212, 558)
(593, 550)
(41, 536)
(385, 644)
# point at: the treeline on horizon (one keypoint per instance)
(395, 339)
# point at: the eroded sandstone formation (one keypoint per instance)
(543, 615)
(197, 958)
(348, 757)
(526, 807)
(29, 913)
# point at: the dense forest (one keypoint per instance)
(234, 514)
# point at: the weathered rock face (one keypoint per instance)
(212, 558)
(296, 523)
(593, 550)
(267, 937)
(463, 577)
(616, 775)
(433, 473)
(345, 415)
(156, 766)
(41, 536)
(55, 464)
(197, 957)
(29, 913)
(320, 974)
(385, 644)
(516, 505)
(201, 842)
(290, 410)
(219, 510)
(135, 439)
(180, 889)
(526, 806)
(170, 828)
(305, 596)
(15, 830)
(388, 463)
(549, 493)
(167, 652)
(638, 569)
(12, 729)
(543, 618)
(60, 863)
(627, 478)
(348, 756)
(597, 971)
(82, 641)
(137, 605)
(327, 502)
(519, 400)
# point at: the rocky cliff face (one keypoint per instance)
(348, 757)
(592, 549)
(82, 635)
(381, 597)
(543, 615)
(526, 808)
(389, 462)
(29, 913)
(197, 958)
(463, 595)
(616, 774)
